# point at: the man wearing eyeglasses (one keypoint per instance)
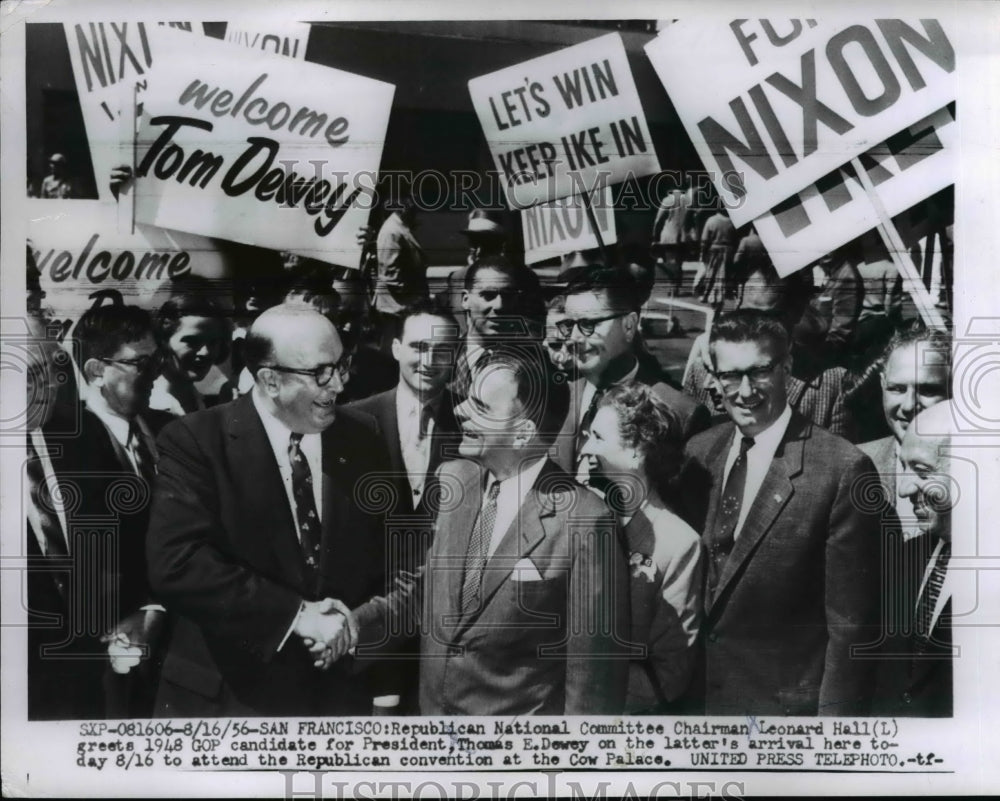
(793, 570)
(118, 358)
(602, 323)
(256, 527)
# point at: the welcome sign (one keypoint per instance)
(259, 148)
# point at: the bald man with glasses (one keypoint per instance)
(256, 527)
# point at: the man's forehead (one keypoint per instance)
(488, 278)
(145, 345)
(913, 360)
(729, 355)
(596, 300)
(429, 326)
(923, 450)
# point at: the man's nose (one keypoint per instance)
(907, 486)
(745, 388)
(909, 401)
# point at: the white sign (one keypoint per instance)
(565, 123)
(85, 261)
(774, 105)
(562, 226)
(259, 149)
(909, 167)
(281, 38)
(109, 59)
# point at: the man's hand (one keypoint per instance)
(327, 629)
(120, 174)
(133, 637)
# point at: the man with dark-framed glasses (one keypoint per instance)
(256, 528)
(601, 321)
(793, 569)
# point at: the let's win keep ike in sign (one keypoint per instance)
(565, 123)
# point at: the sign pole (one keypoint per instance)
(912, 281)
(589, 206)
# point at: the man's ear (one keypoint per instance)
(93, 370)
(396, 345)
(465, 299)
(630, 325)
(526, 431)
(267, 380)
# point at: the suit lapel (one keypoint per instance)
(337, 489)
(267, 507)
(774, 493)
(455, 547)
(390, 425)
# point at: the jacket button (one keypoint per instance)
(907, 698)
(713, 637)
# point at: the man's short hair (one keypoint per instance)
(617, 283)
(258, 350)
(521, 276)
(427, 307)
(190, 296)
(101, 332)
(916, 332)
(543, 396)
(750, 325)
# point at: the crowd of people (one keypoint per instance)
(336, 498)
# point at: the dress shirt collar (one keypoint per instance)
(115, 423)
(407, 399)
(278, 434)
(523, 480)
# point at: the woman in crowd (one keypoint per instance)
(635, 442)
(193, 334)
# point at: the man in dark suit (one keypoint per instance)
(602, 321)
(793, 571)
(256, 527)
(417, 416)
(915, 671)
(916, 374)
(118, 358)
(522, 602)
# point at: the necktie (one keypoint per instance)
(310, 533)
(588, 417)
(932, 592)
(41, 498)
(478, 550)
(721, 539)
(144, 462)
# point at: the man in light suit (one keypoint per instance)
(522, 603)
(916, 374)
(255, 527)
(793, 571)
(602, 322)
(915, 671)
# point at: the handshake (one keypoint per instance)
(328, 630)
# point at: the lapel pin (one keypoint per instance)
(777, 498)
(342, 460)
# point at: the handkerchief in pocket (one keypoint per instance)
(525, 570)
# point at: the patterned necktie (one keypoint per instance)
(721, 539)
(144, 462)
(41, 498)
(932, 592)
(482, 532)
(310, 533)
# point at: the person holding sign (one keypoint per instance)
(402, 268)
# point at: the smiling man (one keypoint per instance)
(256, 526)
(601, 322)
(916, 375)
(521, 603)
(793, 567)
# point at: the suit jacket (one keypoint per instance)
(73, 600)
(882, 452)
(225, 559)
(529, 648)
(915, 678)
(694, 416)
(801, 585)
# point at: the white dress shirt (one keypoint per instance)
(759, 458)
(415, 449)
(513, 491)
(118, 427)
(38, 441)
(278, 434)
(161, 399)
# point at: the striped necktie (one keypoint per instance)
(932, 592)
(479, 544)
